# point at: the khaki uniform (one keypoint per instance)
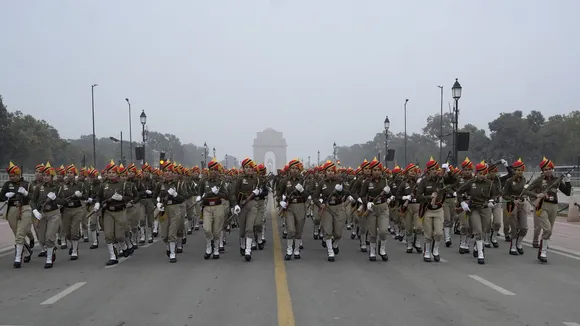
(373, 191)
(213, 212)
(50, 219)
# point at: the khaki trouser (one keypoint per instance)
(84, 220)
(133, 218)
(517, 221)
(316, 218)
(93, 220)
(146, 216)
(19, 219)
(196, 213)
(181, 225)
(169, 221)
(548, 214)
(190, 210)
(378, 223)
(433, 221)
(295, 220)
(261, 208)
(71, 222)
(465, 224)
(412, 220)
(213, 221)
(497, 217)
(114, 226)
(247, 219)
(449, 214)
(333, 219)
(48, 228)
(479, 219)
(396, 217)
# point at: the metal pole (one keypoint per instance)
(318, 160)
(144, 160)
(130, 132)
(94, 137)
(455, 129)
(386, 146)
(121, 147)
(406, 100)
(441, 127)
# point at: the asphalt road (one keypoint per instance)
(146, 289)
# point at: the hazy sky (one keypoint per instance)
(319, 71)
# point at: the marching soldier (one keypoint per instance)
(513, 194)
(16, 193)
(113, 198)
(72, 212)
(145, 186)
(329, 197)
(497, 210)
(544, 193)
(168, 204)
(432, 195)
(292, 198)
(376, 195)
(45, 203)
(211, 194)
(93, 190)
(242, 198)
(409, 208)
(133, 208)
(481, 194)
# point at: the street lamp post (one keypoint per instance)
(387, 126)
(406, 100)
(456, 93)
(318, 158)
(226, 161)
(334, 151)
(130, 132)
(309, 161)
(94, 137)
(213, 149)
(441, 127)
(143, 118)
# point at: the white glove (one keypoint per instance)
(9, 195)
(392, 198)
(387, 189)
(389, 200)
(283, 197)
(445, 166)
(359, 200)
(407, 197)
(309, 197)
(338, 187)
(419, 180)
(198, 198)
(172, 192)
(454, 194)
(465, 206)
(491, 203)
(215, 190)
(299, 187)
(350, 199)
(97, 206)
(117, 197)
(321, 201)
(231, 210)
(566, 179)
(51, 195)
(160, 206)
(237, 209)
(256, 191)
(370, 206)
(23, 191)
(158, 199)
(37, 214)
(149, 192)
(526, 186)
(89, 201)
(504, 162)
(78, 193)
(100, 178)
(283, 204)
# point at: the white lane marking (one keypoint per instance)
(443, 260)
(63, 293)
(567, 323)
(491, 285)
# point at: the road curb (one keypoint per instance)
(5, 249)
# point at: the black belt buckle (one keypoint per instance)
(212, 203)
(294, 201)
(169, 202)
(377, 201)
(71, 204)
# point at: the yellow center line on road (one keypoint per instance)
(285, 312)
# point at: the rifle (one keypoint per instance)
(511, 205)
(403, 208)
(538, 202)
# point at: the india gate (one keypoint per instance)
(270, 148)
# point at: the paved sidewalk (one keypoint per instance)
(565, 235)
(6, 236)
